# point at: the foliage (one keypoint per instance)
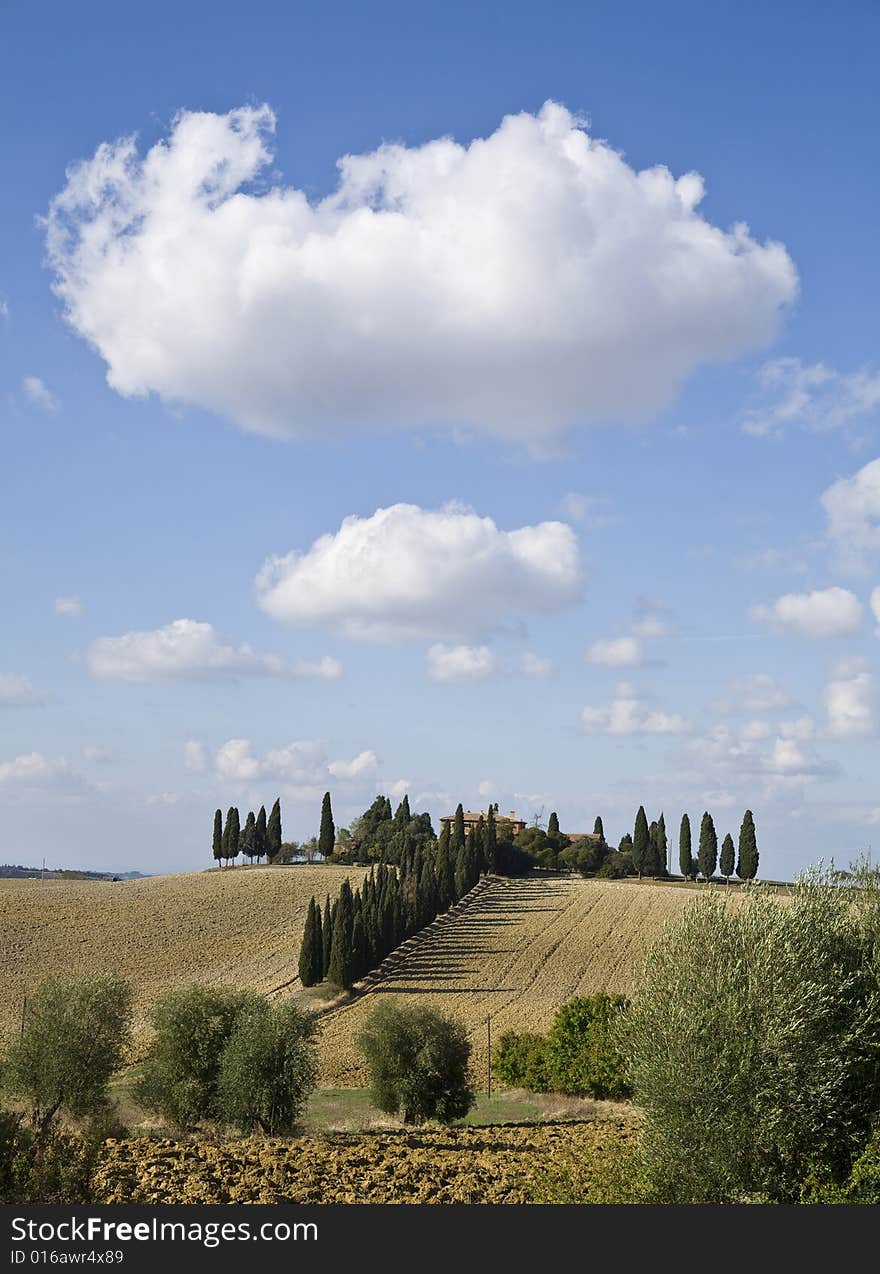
(747, 863)
(418, 1062)
(273, 831)
(49, 1166)
(181, 1069)
(685, 862)
(641, 842)
(74, 1037)
(728, 854)
(520, 1060)
(862, 1185)
(707, 854)
(583, 1054)
(327, 833)
(311, 955)
(611, 1174)
(616, 865)
(762, 1065)
(268, 1068)
(217, 843)
(584, 855)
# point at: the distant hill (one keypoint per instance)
(8, 871)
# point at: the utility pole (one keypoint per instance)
(23, 1013)
(489, 1052)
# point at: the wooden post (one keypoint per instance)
(23, 1013)
(489, 1066)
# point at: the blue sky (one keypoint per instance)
(635, 448)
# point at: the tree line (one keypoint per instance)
(259, 838)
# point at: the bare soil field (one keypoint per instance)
(241, 926)
(515, 949)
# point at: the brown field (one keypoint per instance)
(425, 1165)
(241, 925)
(515, 949)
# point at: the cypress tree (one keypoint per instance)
(553, 826)
(460, 877)
(490, 840)
(443, 874)
(327, 834)
(707, 854)
(458, 830)
(402, 815)
(340, 972)
(260, 842)
(662, 847)
(727, 857)
(308, 949)
(218, 836)
(273, 831)
(231, 833)
(684, 847)
(359, 964)
(652, 858)
(388, 814)
(327, 935)
(599, 830)
(747, 866)
(641, 842)
(248, 837)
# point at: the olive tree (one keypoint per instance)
(418, 1063)
(268, 1068)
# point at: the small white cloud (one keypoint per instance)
(652, 626)
(189, 650)
(875, 606)
(590, 510)
(627, 714)
(829, 612)
(194, 756)
(802, 728)
(487, 787)
(97, 755)
(360, 765)
(533, 665)
(815, 397)
(36, 392)
(4, 310)
(460, 663)
(407, 572)
(852, 508)
(851, 700)
(165, 798)
(756, 693)
(17, 692)
(68, 606)
(615, 652)
(326, 669)
(301, 767)
(33, 769)
(396, 790)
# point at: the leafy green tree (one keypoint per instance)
(218, 837)
(327, 833)
(598, 829)
(641, 844)
(180, 1072)
(583, 1056)
(248, 837)
(268, 1068)
(418, 1063)
(684, 847)
(728, 854)
(747, 866)
(341, 971)
(273, 831)
(261, 843)
(707, 854)
(311, 954)
(520, 1061)
(72, 1040)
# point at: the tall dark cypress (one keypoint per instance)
(598, 829)
(307, 951)
(652, 858)
(402, 814)
(553, 826)
(248, 837)
(662, 847)
(443, 874)
(728, 855)
(327, 935)
(747, 866)
(327, 834)
(458, 830)
(641, 842)
(490, 840)
(218, 836)
(273, 831)
(707, 854)
(231, 833)
(260, 840)
(341, 970)
(460, 875)
(359, 964)
(684, 847)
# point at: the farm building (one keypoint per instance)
(471, 819)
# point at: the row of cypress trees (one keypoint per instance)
(363, 926)
(260, 837)
(744, 862)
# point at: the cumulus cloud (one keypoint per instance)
(852, 509)
(525, 282)
(68, 606)
(851, 700)
(17, 692)
(460, 663)
(364, 763)
(787, 764)
(828, 612)
(189, 650)
(615, 652)
(407, 572)
(813, 396)
(38, 393)
(627, 714)
(301, 767)
(33, 769)
(194, 756)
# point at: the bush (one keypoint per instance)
(521, 1061)
(617, 865)
(582, 1053)
(268, 1068)
(181, 1071)
(754, 1046)
(73, 1040)
(48, 1165)
(418, 1062)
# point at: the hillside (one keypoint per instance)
(516, 949)
(241, 925)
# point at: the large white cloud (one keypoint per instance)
(852, 506)
(827, 612)
(628, 714)
(851, 700)
(522, 283)
(301, 767)
(187, 650)
(408, 572)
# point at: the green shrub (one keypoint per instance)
(268, 1068)
(48, 1165)
(181, 1071)
(418, 1062)
(520, 1060)
(583, 1055)
(753, 1041)
(74, 1038)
